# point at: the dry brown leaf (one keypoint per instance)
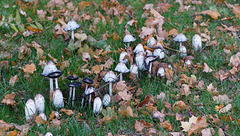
(187, 125)
(139, 126)
(173, 32)
(213, 14)
(207, 132)
(13, 80)
(29, 68)
(185, 90)
(108, 63)
(166, 125)
(64, 64)
(151, 131)
(68, 112)
(206, 68)
(125, 95)
(86, 56)
(41, 14)
(146, 31)
(56, 123)
(121, 86)
(179, 105)
(5, 126)
(130, 112)
(236, 10)
(176, 134)
(225, 109)
(200, 123)
(83, 5)
(159, 115)
(145, 101)
(97, 69)
(235, 60)
(221, 99)
(9, 99)
(12, 133)
(39, 120)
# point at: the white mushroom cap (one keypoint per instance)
(140, 61)
(134, 69)
(128, 38)
(72, 25)
(58, 99)
(48, 134)
(180, 38)
(159, 53)
(150, 59)
(122, 55)
(40, 103)
(183, 51)
(49, 68)
(149, 53)
(43, 116)
(138, 48)
(30, 109)
(196, 42)
(110, 77)
(97, 105)
(106, 99)
(89, 90)
(161, 72)
(121, 67)
(151, 41)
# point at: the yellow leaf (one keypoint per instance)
(29, 68)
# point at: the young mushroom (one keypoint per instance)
(134, 69)
(89, 92)
(123, 58)
(106, 100)
(110, 77)
(97, 105)
(196, 42)
(43, 116)
(48, 134)
(30, 109)
(138, 48)
(122, 68)
(71, 78)
(58, 99)
(148, 62)
(159, 53)
(40, 103)
(140, 57)
(71, 26)
(128, 38)
(74, 85)
(180, 38)
(151, 41)
(161, 72)
(87, 81)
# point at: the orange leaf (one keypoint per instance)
(9, 99)
(211, 13)
(138, 126)
(29, 68)
(34, 29)
(68, 112)
(97, 69)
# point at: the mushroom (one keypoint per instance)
(74, 85)
(49, 68)
(58, 98)
(122, 68)
(55, 75)
(134, 69)
(97, 105)
(180, 38)
(128, 38)
(89, 92)
(48, 134)
(148, 62)
(148, 53)
(122, 57)
(110, 77)
(140, 57)
(183, 51)
(72, 78)
(159, 53)
(161, 72)
(30, 109)
(71, 26)
(106, 100)
(87, 81)
(138, 48)
(43, 116)
(151, 41)
(196, 42)
(40, 103)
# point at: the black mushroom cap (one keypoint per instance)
(153, 58)
(75, 84)
(55, 74)
(72, 77)
(87, 80)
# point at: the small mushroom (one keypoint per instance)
(97, 105)
(151, 41)
(58, 99)
(140, 57)
(122, 68)
(72, 78)
(110, 77)
(40, 103)
(159, 53)
(122, 57)
(74, 85)
(148, 62)
(196, 42)
(48, 134)
(55, 75)
(134, 69)
(71, 26)
(106, 100)
(183, 51)
(43, 116)
(161, 72)
(180, 38)
(138, 48)
(89, 92)
(128, 38)
(30, 109)
(87, 81)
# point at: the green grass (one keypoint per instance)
(28, 87)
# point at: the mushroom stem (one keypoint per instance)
(70, 93)
(121, 77)
(84, 93)
(128, 44)
(180, 44)
(51, 86)
(56, 82)
(73, 96)
(110, 89)
(150, 70)
(90, 97)
(72, 34)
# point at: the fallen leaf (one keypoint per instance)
(5, 126)
(39, 120)
(130, 111)
(138, 126)
(159, 115)
(179, 105)
(151, 131)
(206, 68)
(221, 99)
(68, 112)
(83, 5)
(125, 95)
(207, 132)
(97, 69)
(185, 90)
(236, 10)
(166, 125)
(29, 68)
(213, 14)
(225, 109)
(176, 134)
(9, 99)
(187, 125)
(13, 80)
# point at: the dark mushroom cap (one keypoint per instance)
(72, 77)
(55, 74)
(75, 84)
(87, 80)
(149, 59)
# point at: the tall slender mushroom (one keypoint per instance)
(110, 77)
(148, 62)
(74, 85)
(55, 75)
(97, 105)
(197, 42)
(87, 81)
(134, 70)
(30, 109)
(140, 57)
(58, 98)
(89, 92)
(71, 78)
(40, 103)
(180, 38)
(122, 68)
(71, 26)
(128, 38)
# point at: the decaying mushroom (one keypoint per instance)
(148, 62)
(87, 81)
(71, 26)
(89, 92)
(151, 41)
(97, 105)
(122, 68)
(30, 109)
(74, 85)
(110, 77)
(40, 103)
(71, 78)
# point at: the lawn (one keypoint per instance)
(198, 98)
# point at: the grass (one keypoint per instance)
(27, 86)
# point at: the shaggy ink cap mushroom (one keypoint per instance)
(161, 72)
(138, 48)
(58, 99)
(48, 134)
(49, 68)
(197, 42)
(72, 77)
(140, 56)
(106, 100)
(151, 41)
(74, 85)
(40, 103)
(159, 53)
(180, 38)
(87, 80)
(183, 51)
(122, 68)
(122, 56)
(110, 77)
(30, 109)
(55, 75)
(97, 105)
(71, 26)
(89, 92)
(148, 62)
(134, 69)
(128, 38)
